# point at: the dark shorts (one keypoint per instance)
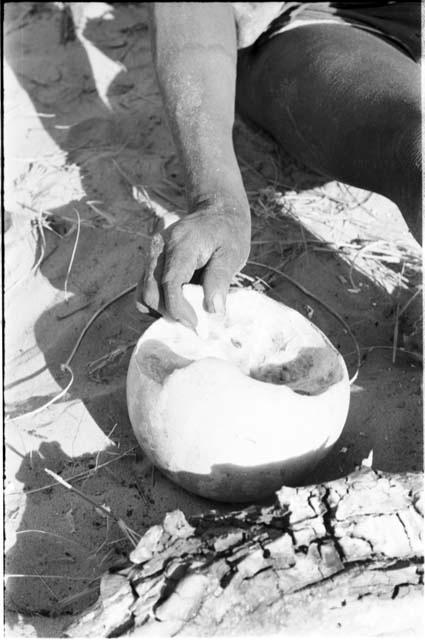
(399, 23)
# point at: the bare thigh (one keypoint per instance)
(344, 102)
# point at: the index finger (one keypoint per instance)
(179, 268)
(148, 292)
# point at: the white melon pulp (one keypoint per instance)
(246, 404)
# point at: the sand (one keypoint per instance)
(90, 166)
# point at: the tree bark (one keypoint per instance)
(323, 558)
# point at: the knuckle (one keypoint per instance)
(225, 260)
(221, 271)
(170, 286)
(157, 245)
(178, 231)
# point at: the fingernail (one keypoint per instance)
(218, 303)
(142, 308)
(188, 325)
(188, 319)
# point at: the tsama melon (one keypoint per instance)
(247, 403)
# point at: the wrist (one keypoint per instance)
(220, 189)
(232, 201)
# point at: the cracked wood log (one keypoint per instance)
(322, 558)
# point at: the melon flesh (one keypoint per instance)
(246, 404)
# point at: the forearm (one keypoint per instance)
(194, 47)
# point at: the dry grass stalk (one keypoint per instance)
(66, 366)
(76, 596)
(57, 397)
(49, 216)
(105, 511)
(74, 250)
(396, 324)
(52, 577)
(95, 367)
(374, 347)
(93, 318)
(103, 214)
(366, 255)
(84, 475)
(53, 535)
(48, 587)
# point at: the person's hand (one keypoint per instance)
(215, 238)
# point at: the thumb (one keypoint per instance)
(216, 281)
(148, 295)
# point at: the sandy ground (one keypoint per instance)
(89, 166)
